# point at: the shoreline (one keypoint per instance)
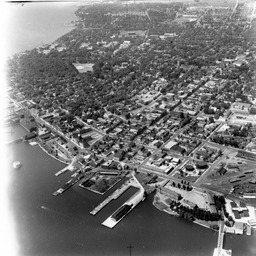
(24, 127)
(95, 191)
(172, 213)
(58, 27)
(51, 154)
(155, 204)
(38, 143)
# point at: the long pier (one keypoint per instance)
(68, 185)
(130, 204)
(70, 167)
(113, 196)
(219, 251)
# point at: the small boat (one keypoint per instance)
(16, 164)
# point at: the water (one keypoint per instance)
(34, 24)
(48, 225)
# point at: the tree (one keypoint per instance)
(228, 224)
(211, 119)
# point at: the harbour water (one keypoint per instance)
(34, 24)
(48, 225)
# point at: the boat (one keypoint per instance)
(16, 164)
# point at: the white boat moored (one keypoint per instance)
(16, 164)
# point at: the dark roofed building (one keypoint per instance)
(201, 165)
(158, 144)
(45, 136)
(189, 168)
(178, 149)
(119, 156)
(236, 214)
(242, 204)
(222, 171)
(233, 204)
(85, 130)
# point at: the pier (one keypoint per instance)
(70, 167)
(68, 185)
(113, 196)
(219, 251)
(124, 209)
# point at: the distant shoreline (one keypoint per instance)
(27, 26)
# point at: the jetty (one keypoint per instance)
(70, 167)
(68, 185)
(219, 251)
(113, 196)
(62, 171)
(124, 209)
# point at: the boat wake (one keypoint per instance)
(54, 212)
(65, 221)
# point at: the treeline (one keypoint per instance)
(195, 213)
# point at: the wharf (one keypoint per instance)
(62, 171)
(70, 167)
(68, 185)
(113, 196)
(111, 221)
(222, 252)
(219, 251)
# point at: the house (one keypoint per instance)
(222, 171)
(158, 144)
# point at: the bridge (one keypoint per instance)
(219, 251)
